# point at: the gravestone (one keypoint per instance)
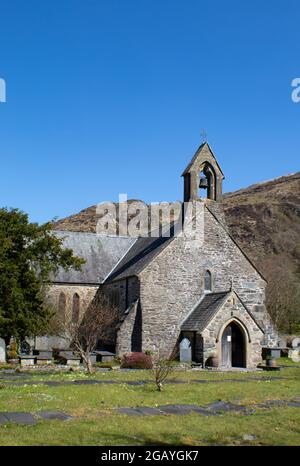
(294, 354)
(25, 348)
(294, 351)
(296, 343)
(2, 350)
(185, 350)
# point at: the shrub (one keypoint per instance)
(136, 361)
(13, 351)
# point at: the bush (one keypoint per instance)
(13, 351)
(136, 361)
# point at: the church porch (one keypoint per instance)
(222, 332)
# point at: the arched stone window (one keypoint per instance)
(62, 306)
(207, 281)
(75, 308)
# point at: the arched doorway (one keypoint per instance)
(233, 346)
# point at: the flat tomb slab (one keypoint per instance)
(174, 409)
(3, 419)
(27, 360)
(54, 415)
(73, 362)
(43, 361)
(21, 418)
(223, 406)
(149, 411)
(86, 382)
(130, 411)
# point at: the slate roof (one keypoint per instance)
(204, 311)
(101, 253)
(139, 255)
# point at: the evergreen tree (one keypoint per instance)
(29, 255)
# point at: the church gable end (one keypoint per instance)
(202, 174)
(202, 288)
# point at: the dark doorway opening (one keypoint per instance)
(233, 346)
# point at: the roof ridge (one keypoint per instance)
(125, 253)
(153, 246)
(80, 232)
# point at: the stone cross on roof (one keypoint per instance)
(203, 135)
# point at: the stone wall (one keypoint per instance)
(174, 281)
(125, 293)
(86, 295)
(233, 310)
(170, 286)
(126, 331)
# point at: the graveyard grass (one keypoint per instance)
(95, 422)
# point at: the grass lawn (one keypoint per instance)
(95, 422)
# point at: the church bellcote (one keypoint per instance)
(203, 176)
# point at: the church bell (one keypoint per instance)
(203, 183)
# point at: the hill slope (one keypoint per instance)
(264, 219)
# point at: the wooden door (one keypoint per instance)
(226, 347)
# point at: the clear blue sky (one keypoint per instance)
(110, 96)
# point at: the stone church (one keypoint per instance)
(201, 295)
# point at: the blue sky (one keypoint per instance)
(109, 97)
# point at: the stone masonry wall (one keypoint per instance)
(174, 281)
(124, 338)
(86, 295)
(212, 335)
(126, 292)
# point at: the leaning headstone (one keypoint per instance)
(2, 350)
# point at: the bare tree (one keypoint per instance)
(283, 294)
(83, 333)
(162, 368)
